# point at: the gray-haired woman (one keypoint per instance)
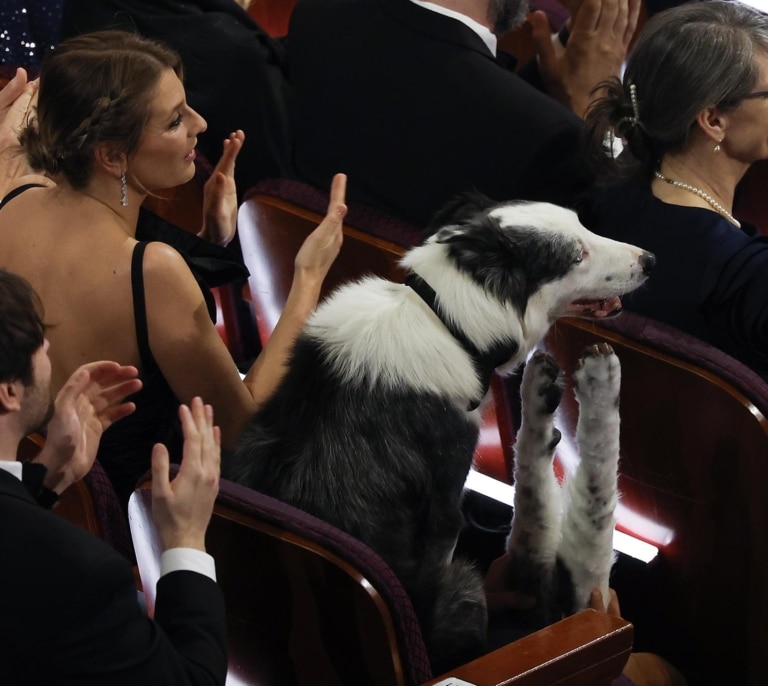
(692, 111)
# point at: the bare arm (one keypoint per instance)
(189, 350)
(186, 346)
(312, 263)
(600, 34)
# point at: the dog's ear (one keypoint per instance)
(448, 233)
(459, 210)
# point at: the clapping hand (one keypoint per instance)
(17, 99)
(600, 35)
(220, 195)
(498, 596)
(322, 246)
(86, 406)
(182, 508)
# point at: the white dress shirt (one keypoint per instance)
(483, 31)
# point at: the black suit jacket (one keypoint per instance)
(70, 614)
(415, 108)
(234, 72)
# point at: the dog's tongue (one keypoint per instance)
(595, 309)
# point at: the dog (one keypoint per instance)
(374, 426)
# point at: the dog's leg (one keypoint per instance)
(535, 535)
(591, 493)
(456, 624)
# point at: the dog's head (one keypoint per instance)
(532, 260)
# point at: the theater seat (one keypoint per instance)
(274, 219)
(693, 475)
(309, 604)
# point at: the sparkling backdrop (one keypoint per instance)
(28, 31)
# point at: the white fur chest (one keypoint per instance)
(383, 334)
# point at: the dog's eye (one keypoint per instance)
(579, 257)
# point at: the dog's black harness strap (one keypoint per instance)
(485, 362)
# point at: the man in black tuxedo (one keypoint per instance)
(414, 103)
(70, 613)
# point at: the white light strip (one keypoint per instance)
(761, 5)
(505, 493)
(634, 547)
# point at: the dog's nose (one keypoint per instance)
(647, 260)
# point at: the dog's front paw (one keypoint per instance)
(598, 378)
(542, 386)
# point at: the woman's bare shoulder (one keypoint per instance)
(168, 280)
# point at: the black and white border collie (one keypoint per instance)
(375, 424)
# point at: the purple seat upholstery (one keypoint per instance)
(110, 518)
(360, 217)
(669, 340)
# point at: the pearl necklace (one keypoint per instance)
(704, 196)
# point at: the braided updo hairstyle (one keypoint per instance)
(686, 59)
(94, 88)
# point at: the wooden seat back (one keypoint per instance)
(308, 604)
(271, 233)
(693, 471)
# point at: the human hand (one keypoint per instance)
(600, 34)
(322, 246)
(182, 508)
(596, 602)
(86, 406)
(17, 99)
(220, 195)
(498, 597)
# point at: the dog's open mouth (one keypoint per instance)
(595, 309)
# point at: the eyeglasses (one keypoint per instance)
(756, 94)
(748, 96)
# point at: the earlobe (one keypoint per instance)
(110, 159)
(713, 123)
(10, 397)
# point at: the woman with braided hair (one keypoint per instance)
(111, 126)
(692, 112)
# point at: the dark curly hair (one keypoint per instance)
(686, 59)
(22, 330)
(94, 88)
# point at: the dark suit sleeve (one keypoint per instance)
(113, 642)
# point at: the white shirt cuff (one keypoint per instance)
(187, 559)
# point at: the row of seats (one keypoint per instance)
(309, 604)
(694, 441)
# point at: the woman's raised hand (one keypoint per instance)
(220, 195)
(322, 246)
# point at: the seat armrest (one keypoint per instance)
(589, 648)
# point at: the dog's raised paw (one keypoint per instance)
(542, 386)
(598, 376)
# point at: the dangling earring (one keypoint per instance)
(123, 190)
(717, 147)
